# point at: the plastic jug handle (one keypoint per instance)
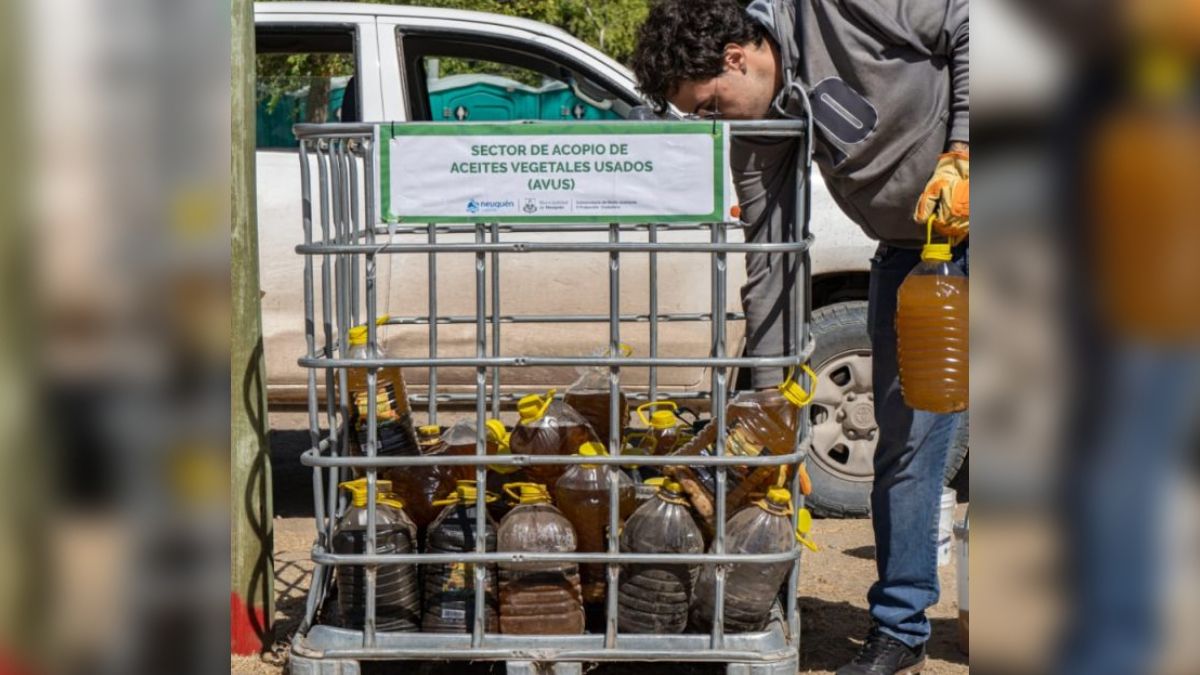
(513, 490)
(804, 523)
(793, 392)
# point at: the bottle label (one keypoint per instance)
(456, 580)
(385, 399)
(454, 614)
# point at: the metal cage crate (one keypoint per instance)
(343, 242)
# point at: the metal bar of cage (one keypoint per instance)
(348, 250)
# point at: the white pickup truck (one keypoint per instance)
(366, 62)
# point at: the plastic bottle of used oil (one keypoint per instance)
(664, 430)
(498, 475)
(750, 589)
(460, 439)
(417, 487)
(450, 589)
(654, 598)
(589, 395)
(758, 423)
(392, 409)
(429, 439)
(548, 427)
(582, 495)
(538, 598)
(932, 317)
(397, 595)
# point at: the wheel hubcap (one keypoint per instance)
(843, 415)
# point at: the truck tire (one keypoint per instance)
(840, 462)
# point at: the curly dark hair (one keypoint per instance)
(685, 40)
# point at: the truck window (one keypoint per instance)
(469, 79)
(304, 75)
(460, 89)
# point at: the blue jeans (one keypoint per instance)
(910, 464)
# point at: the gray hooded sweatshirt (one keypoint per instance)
(888, 82)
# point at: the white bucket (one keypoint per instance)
(946, 526)
(962, 533)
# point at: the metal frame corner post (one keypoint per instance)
(252, 574)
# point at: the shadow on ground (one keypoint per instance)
(832, 633)
(292, 481)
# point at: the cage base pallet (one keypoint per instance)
(327, 650)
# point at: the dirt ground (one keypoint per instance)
(833, 589)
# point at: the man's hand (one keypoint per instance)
(947, 196)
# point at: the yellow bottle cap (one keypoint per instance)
(657, 481)
(793, 392)
(358, 489)
(429, 430)
(498, 434)
(672, 486)
(528, 493)
(662, 419)
(778, 496)
(936, 253)
(465, 492)
(532, 407)
(502, 438)
(358, 335)
(592, 449)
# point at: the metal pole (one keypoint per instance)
(433, 325)
(252, 572)
(653, 239)
(495, 321)
(614, 431)
(372, 570)
(480, 625)
(718, 418)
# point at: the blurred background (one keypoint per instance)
(113, 351)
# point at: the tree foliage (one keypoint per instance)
(610, 26)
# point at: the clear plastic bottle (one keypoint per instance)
(758, 423)
(416, 486)
(589, 395)
(582, 495)
(654, 598)
(392, 408)
(397, 595)
(664, 430)
(538, 598)
(932, 333)
(460, 439)
(750, 589)
(548, 427)
(449, 597)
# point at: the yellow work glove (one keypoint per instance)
(947, 196)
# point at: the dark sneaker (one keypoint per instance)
(885, 655)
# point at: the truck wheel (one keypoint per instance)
(843, 416)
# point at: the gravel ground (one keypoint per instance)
(833, 591)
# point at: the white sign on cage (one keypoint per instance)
(553, 172)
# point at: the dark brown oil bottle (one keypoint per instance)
(450, 588)
(538, 598)
(548, 427)
(397, 595)
(583, 496)
(654, 598)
